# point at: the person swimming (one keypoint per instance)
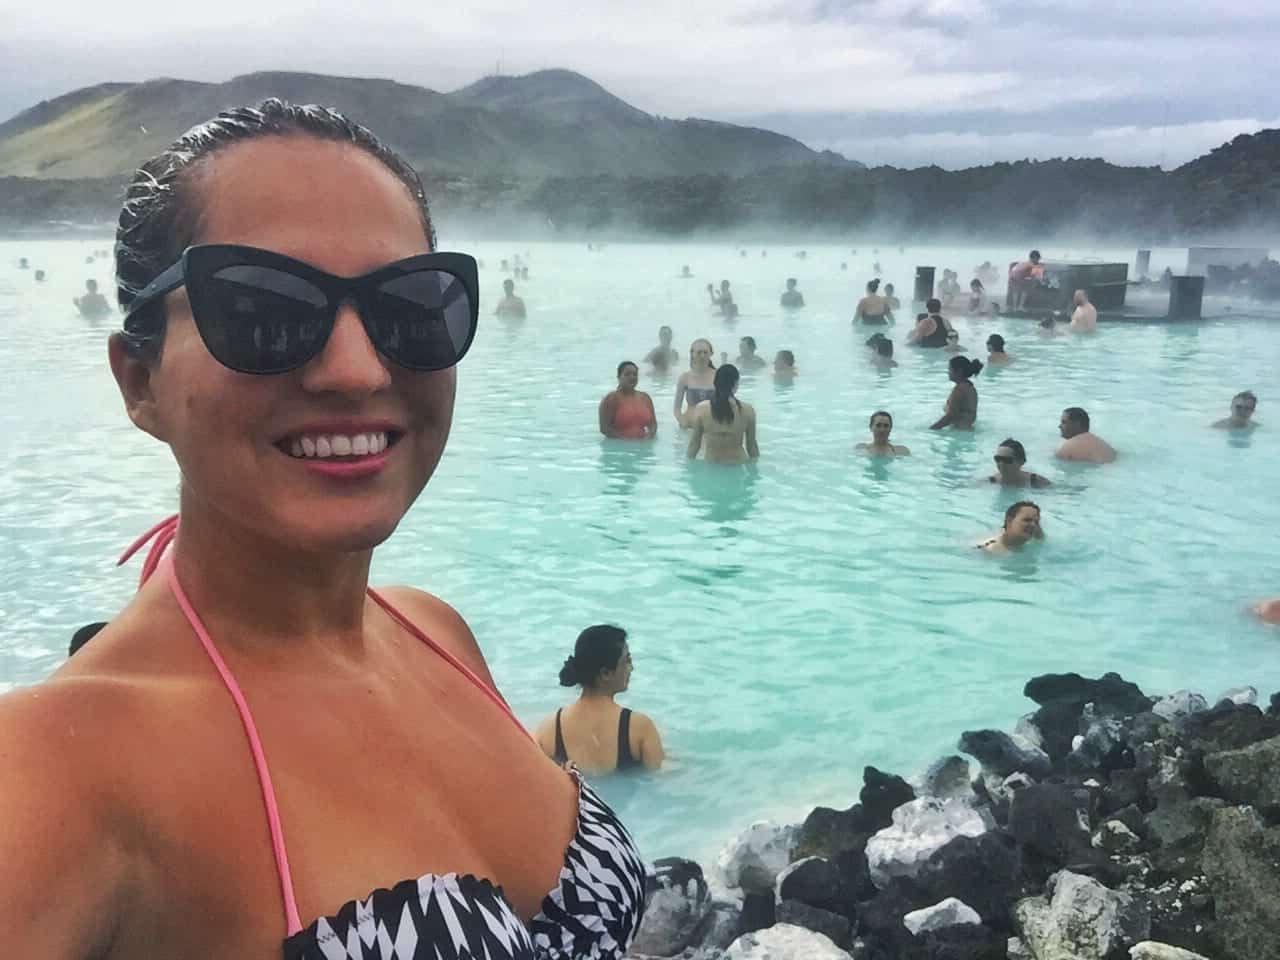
(881, 424)
(882, 354)
(1010, 458)
(748, 359)
(931, 328)
(791, 298)
(784, 366)
(510, 305)
(961, 410)
(1049, 327)
(1242, 406)
(663, 356)
(872, 309)
(726, 423)
(1079, 443)
(92, 304)
(1021, 526)
(995, 350)
(596, 734)
(697, 383)
(627, 413)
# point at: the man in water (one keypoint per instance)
(1242, 406)
(92, 304)
(663, 355)
(748, 359)
(1079, 444)
(891, 301)
(686, 273)
(881, 427)
(510, 305)
(1021, 526)
(784, 366)
(791, 297)
(1084, 319)
(882, 353)
(723, 300)
(1021, 278)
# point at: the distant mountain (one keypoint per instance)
(1237, 181)
(549, 123)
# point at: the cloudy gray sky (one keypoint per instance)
(907, 82)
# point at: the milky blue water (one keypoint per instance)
(790, 622)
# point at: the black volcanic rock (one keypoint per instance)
(983, 871)
(1001, 754)
(882, 793)
(1054, 820)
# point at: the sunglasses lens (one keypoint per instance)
(423, 320)
(258, 319)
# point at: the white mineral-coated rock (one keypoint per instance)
(946, 913)
(1150, 950)
(1019, 950)
(1179, 704)
(1241, 696)
(1083, 921)
(783, 941)
(920, 828)
(753, 859)
(1027, 729)
(1114, 837)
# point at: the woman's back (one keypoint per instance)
(599, 736)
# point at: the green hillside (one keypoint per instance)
(554, 122)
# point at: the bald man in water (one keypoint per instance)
(1084, 319)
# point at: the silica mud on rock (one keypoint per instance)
(1109, 825)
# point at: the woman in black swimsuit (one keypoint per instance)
(1010, 458)
(595, 733)
(962, 405)
(873, 309)
(931, 327)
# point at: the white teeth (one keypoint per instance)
(339, 445)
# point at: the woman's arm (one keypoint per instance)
(753, 451)
(949, 417)
(652, 425)
(681, 386)
(695, 437)
(652, 753)
(919, 332)
(607, 406)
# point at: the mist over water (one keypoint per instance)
(791, 621)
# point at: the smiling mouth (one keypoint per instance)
(338, 446)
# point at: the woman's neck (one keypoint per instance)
(595, 697)
(253, 591)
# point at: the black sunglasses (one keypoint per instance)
(261, 312)
(999, 459)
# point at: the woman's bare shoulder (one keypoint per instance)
(442, 623)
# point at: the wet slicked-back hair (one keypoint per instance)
(161, 211)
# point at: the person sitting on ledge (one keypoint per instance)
(792, 298)
(881, 426)
(931, 327)
(1021, 526)
(510, 305)
(1079, 444)
(1010, 458)
(92, 304)
(1022, 277)
(995, 350)
(1242, 406)
(627, 413)
(595, 733)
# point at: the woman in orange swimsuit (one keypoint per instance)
(627, 413)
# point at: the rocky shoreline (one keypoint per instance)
(1108, 825)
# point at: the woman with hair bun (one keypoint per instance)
(961, 409)
(596, 734)
(873, 309)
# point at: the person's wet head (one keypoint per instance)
(1080, 298)
(1047, 323)
(685, 271)
(1034, 256)
(700, 352)
(784, 361)
(953, 338)
(1022, 523)
(884, 348)
(600, 663)
(791, 283)
(508, 287)
(747, 347)
(91, 286)
(1009, 458)
(628, 376)
(308, 184)
(888, 289)
(1074, 422)
(39, 276)
(976, 285)
(1243, 404)
(933, 305)
(961, 368)
(881, 424)
(665, 335)
(995, 343)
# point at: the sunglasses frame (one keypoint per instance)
(200, 261)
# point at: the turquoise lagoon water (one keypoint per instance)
(790, 622)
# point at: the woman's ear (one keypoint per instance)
(133, 377)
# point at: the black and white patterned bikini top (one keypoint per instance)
(592, 914)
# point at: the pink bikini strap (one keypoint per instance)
(164, 534)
